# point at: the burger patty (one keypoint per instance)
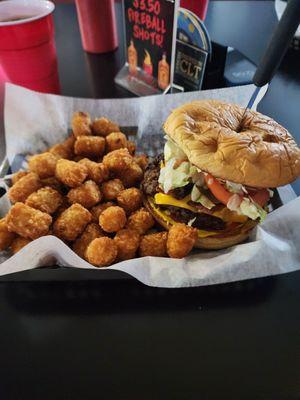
(202, 220)
(182, 192)
(150, 183)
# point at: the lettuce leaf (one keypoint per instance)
(172, 178)
(199, 197)
(234, 187)
(171, 150)
(252, 210)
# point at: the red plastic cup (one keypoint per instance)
(198, 7)
(27, 47)
(49, 84)
(97, 22)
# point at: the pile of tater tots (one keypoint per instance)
(86, 192)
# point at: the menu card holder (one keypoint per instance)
(150, 41)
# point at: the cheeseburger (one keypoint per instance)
(218, 170)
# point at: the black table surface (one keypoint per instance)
(86, 339)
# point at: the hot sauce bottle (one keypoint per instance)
(163, 73)
(147, 65)
(132, 58)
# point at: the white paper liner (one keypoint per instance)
(35, 121)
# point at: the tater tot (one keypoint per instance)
(88, 194)
(6, 237)
(98, 172)
(90, 146)
(141, 160)
(127, 242)
(181, 240)
(140, 221)
(81, 124)
(18, 243)
(43, 164)
(18, 175)
(64, 149)
(118, 160)
(60, 151)
(111, 189)
(71, 222)
(91, 232)
(54, 183)
(69, 142)
(65, 204)
(130, 199)
(115, 141)
(101, 252)
(131, 146)
(98, 209)
(103, 127)
(70, 173)
(78, 158)
(27, 221)
(24, 187)
(112, 219)
(154, 245)
(46, 199)
(132, 175)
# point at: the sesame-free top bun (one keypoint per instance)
(256, 151)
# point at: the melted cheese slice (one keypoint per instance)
(167, 200)
(225, 214)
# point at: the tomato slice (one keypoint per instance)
(217, 189)
(261, 197)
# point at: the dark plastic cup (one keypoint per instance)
(97, 22)
(27, 47)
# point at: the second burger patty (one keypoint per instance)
(201, 220)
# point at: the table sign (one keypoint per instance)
(193, 48)
(150, 39)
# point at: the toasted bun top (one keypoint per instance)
(253, 150)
